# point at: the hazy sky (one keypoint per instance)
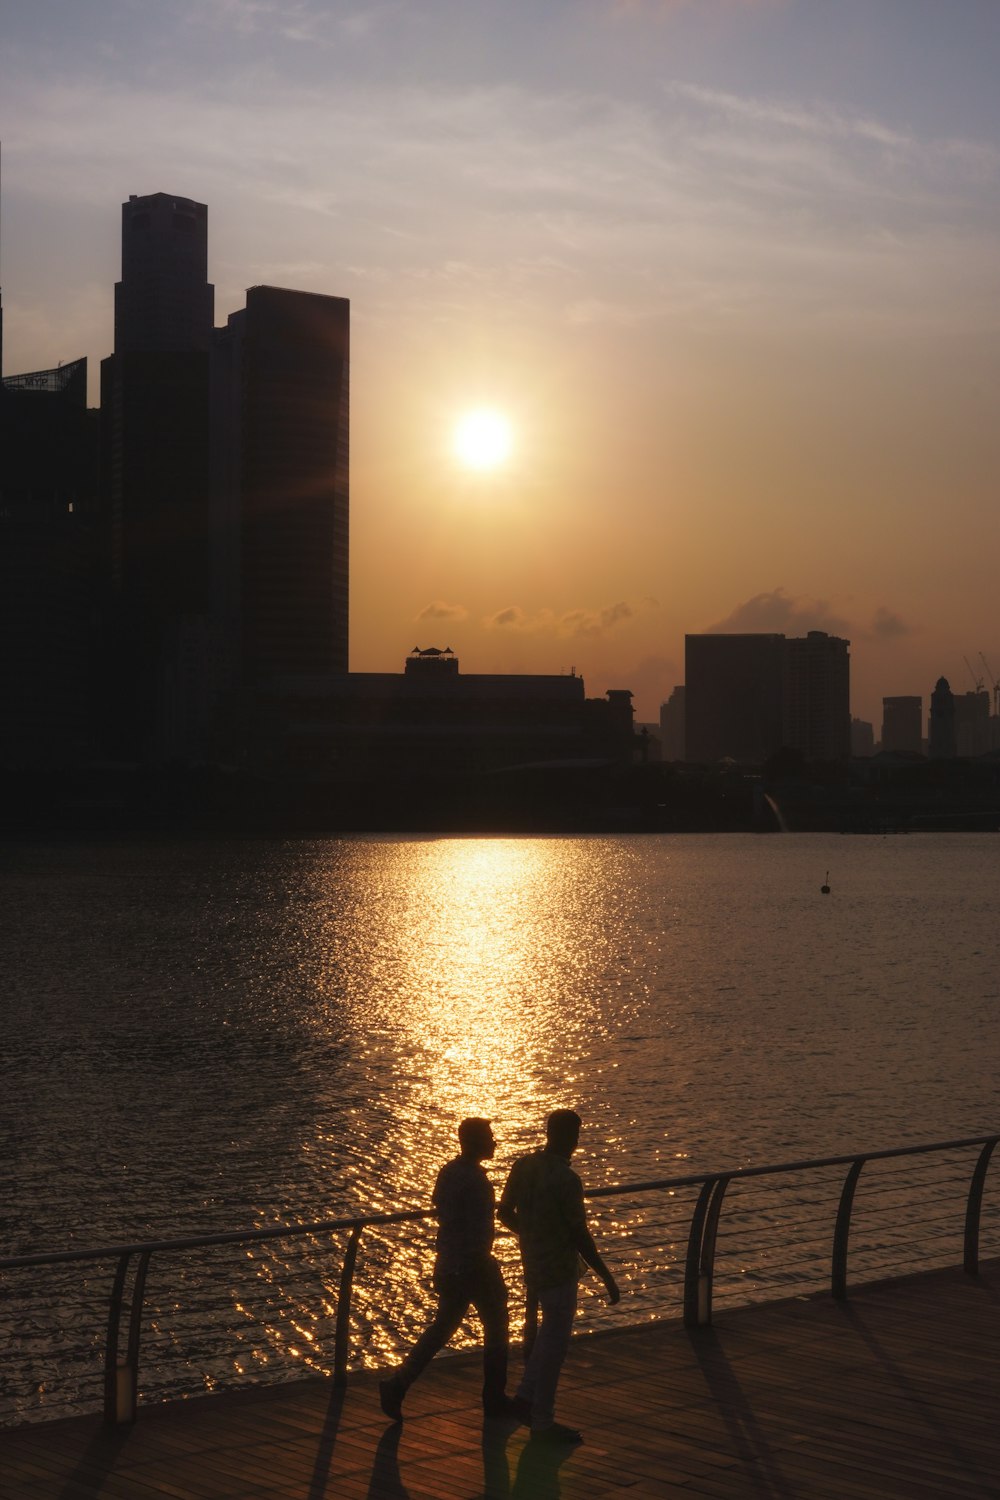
(731, 268)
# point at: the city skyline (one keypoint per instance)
(730, 271)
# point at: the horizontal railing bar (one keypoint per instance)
(411, 1216)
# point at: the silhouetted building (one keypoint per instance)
(902, 725)
(431, 719)
(280, 485)
(734, 697)
(818, 696)
(672, 726)
(748, 696)
(972, 723)
(941, 726)
(50, 576)
(155, 443)
(862, 738)
(164, 302)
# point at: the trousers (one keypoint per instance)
(541, 1373)
(482, 1287)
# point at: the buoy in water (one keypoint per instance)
(825, 887)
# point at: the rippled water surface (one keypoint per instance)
(202, 1036)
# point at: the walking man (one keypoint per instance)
(466, 1273)
(543, 1204)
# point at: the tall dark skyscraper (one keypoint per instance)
(164, 301)
(155, 442)
(280, 467)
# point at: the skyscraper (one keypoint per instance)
(155, 435)
(280, 482)
(164, 300)
(818, 696)
(734, 697)
(750, 695)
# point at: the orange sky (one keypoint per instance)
(730, 268)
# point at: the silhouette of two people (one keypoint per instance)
(542, 1203)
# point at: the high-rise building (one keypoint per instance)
(155, 441)
(902, 725)
(941, 725)
(280, 470)
(734, 697)
(818, 701)
(748, 696)
(972, 723)
(164, 301)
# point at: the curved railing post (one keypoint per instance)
(699, 1271)
(342, 1334)
(111, 1416)
(973, 1208)
(842, 1231)
(121, 1375)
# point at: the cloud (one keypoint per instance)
(781, 614)
(887, 626)
(439, 609)
(573, 623)
(588, 622)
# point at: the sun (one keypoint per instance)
(482, 439)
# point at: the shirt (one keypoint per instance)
(546, 1197)
(465, 1203)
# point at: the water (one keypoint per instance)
(206, 1035)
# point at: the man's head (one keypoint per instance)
(475, 1137)
(562, 1131)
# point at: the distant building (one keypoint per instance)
(672, 730)
(734, 697)
(818, 696)
(902, 725)
(432, 719)
(748, 696)
(862, 738)
(280, 484)
(972, 723)
(941, 744)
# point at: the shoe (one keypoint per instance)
(557, 1433)
(506, 1406)
(390, 1395)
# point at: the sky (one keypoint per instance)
(729, 268)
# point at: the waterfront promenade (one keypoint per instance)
(891, 1394)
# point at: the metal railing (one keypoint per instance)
(121, 1369)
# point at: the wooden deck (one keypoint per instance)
(893, 1394)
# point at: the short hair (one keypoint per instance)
(472, 1131)
(562, 1127)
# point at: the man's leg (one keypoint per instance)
(490, 1301)
(454, 1296)
(541, 1373)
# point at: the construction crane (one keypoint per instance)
(977, 681)
(993, 684)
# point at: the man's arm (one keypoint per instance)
(584, 1242)
(507, 1207)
